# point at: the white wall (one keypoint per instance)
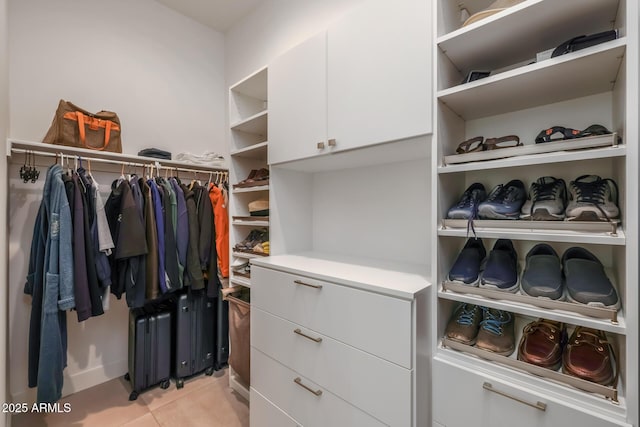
(4, 130)
(160, 71)
(273, 28)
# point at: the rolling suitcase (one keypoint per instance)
(194, 335)
(149, 350)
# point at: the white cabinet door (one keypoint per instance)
(379, 73)
(297, 87)
(265, 414)
(462, 397)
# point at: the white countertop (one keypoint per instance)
(402, 280)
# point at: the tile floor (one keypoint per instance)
(204, 401)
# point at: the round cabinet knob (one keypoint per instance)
(320, 145)
(332, 143)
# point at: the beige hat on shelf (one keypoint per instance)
(259, 208)
(495, 7)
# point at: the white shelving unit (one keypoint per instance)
(595, 85)
(248, 117)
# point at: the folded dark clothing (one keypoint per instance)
(156, 153)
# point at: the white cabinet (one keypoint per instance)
(366, 80)
(467, 397)
(524, 97)
(379, 74)
(332, 352)
(297, 103)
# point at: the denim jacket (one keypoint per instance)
(54, 222)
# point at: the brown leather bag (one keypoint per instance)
(75, 127)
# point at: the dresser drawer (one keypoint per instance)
(278, 384)
(462, 397)
(265, 414)
(375, 323)
(361, 379)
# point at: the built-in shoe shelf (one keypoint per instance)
(519, 32)
(248, 255)
(556, 151)
(596, 232)
(610, 393)
(602, 318)
(251, 221)
(251, 189)
(585, 72)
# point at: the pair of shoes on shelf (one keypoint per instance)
(478, 143)
(580, 275)
(503, 202)
(255, 239)
(587, 354)
(591, 198)
(487, 328)
(547, 135)
(256, 177)
(500, 270)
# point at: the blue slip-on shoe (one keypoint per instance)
(587, 282)
(504, 201)
(466, 269)
(501, 271)
(542, 275)
(467, 206)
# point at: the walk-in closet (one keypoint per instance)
(266, 213)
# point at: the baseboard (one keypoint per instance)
(237, 384)
(79, 381)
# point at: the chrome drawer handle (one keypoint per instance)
(299, 332)
(299, 282)
(298, 381)
(538, 405)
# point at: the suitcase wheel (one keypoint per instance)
(127, 377)
(133, 396)
(179, 383)
(209, 371)
(165, 384)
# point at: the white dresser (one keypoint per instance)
(335, 343)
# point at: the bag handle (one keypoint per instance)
(83, 136)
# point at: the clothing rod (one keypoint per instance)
(152, 162)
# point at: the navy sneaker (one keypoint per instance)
(587, 282)
(467, 206)
(542, 275)
(504, 201)
(466, 269)
(501, 271)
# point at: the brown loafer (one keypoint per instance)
(542, 343)
(502, 142)
(589, 356)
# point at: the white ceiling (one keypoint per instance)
(217, 14)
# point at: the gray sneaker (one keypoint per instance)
(542, 275)
(547, 200)
(593, 199)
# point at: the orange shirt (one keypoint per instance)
(221, 220)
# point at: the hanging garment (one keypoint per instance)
(159, 216)
(193, 272)
(102, 243)
(221, 220)
(52, 247)
(95, 293)
(205, 220)
(182, 228)
(129, 237)
(151, 233)
(136, 293)
(81, 283)
(170, 208)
